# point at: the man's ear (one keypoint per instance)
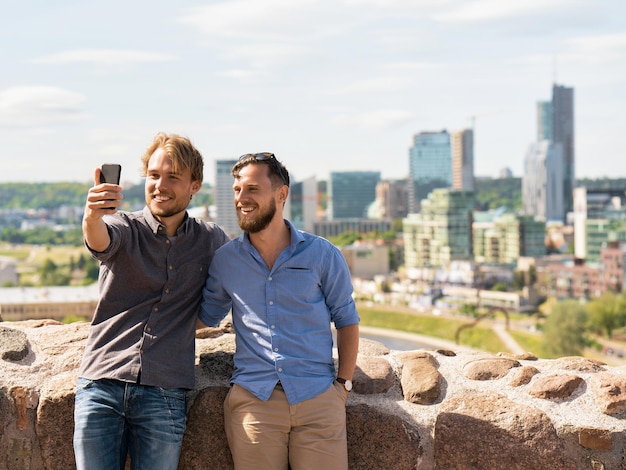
(195, 186)
(283, 193)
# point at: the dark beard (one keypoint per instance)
(258, 223)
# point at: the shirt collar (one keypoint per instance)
(154, 224)
(296, 236)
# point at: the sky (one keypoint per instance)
(326, 85)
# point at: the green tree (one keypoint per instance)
(47, 272)
(607, 313)
(345, 238)
(92, 270)
(564, 329)
(500, 287)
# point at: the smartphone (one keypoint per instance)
(110, 173)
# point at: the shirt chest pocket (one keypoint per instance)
(191, 276)
(302, 284)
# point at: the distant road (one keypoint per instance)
(402, 341)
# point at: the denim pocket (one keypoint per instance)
(83, 384)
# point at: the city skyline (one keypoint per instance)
(327, 86)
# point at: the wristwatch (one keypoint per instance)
(347, 384)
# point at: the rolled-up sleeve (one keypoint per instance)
(338, 290)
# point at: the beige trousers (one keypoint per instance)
(273, 435)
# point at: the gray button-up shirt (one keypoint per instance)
(151, 288)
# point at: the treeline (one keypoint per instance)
(500, 192)
(42, 236)
(41, 195)
(571, 325)
(507, 192)
(490, 193)
(55, 195)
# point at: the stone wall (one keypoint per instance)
(421, 409)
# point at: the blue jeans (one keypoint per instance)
(113, 419)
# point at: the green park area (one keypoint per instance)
(50, 265)
(569, 332)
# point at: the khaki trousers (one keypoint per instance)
(273, 435)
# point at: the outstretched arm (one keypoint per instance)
(101, 199)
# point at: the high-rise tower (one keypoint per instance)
(563, 133)
(226, 217)
(430, 166)
(463, 159)
(351, 192)
(542, 183)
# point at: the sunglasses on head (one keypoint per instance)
(265, 156)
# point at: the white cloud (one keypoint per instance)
(244, 18)
(381, 119)
(378, 84)
(479, 10)
(101, 56)
(39, 105)
(604, 48)
(265, 54)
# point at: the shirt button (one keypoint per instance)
(170, 267)
(271, 302)
(269, 278)
(149, 330)
(167, 242)
(275, 349)
(156, 309)
(273, 327)
(280, 369)
(167, 291)
(141, 351)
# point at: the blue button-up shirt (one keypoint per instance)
(281, 316)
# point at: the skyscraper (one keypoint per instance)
(563, 133)
(224, 198)
(544, 121)
(392, 199)
(430, 166)
(303, 196)
(351, 192)
(555, 124)
(542, 183)
(441, 232)
(463, 159)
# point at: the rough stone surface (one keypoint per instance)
(379, 440)
(610, 392)
(508, 413)
(367, 347)
(555, 386)
(13, 344)
(55, 420)
(205, 441)
(372, 375)
(599, 439)
(523, 376)
(421, 381)
(492, 432)
(489, 368)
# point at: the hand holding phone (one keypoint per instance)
(110, 173)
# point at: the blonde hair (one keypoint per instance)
(180, 150)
